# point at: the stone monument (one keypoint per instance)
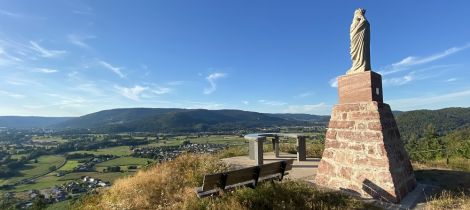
(364, 154)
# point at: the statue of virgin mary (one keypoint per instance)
(360, 43)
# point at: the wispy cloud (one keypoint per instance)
(79, 40)
(116, 70)
(409, 61)
(245, 102)
(419, 74)
(212, 78)
(161, 90)
(46, 70)
(396, 81)
(436, 101)
(43, 52)
(271, 103)
(10, 94)
(304, 95)
(132, 93)
(11, 14)
(89, 88)
(450, 80)
(320, 108)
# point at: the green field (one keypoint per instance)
(44, 182)
(124, 161)
(48, 139)
(104, 176)
(18, 157)
(69, 165)
(51, 180)
(36, 169)
(216, 139)
(118, 151)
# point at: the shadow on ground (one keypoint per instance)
(454, 181)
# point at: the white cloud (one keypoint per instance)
(43, 52)
(79, 40)
(116, 70)
(131, 93)
(245, 102)
(46, 70)
(396, 81)
(320, 108)
(334, 82)
(271, 103)
(409, 61)
(212, 78)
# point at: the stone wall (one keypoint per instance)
(364, 154)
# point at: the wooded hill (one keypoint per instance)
(412, 124)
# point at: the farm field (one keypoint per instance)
(36, 169)
(124, 161)
(48, 139)
(118, 151)
(44, 182)
(51, 180)
(214, 139)
(69, 165)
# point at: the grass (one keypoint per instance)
(123, 162)
(111, 177)
(69, 165)
(454, 185)
(44, 182)
(170, 185)
(58, 206)
(456, 163)
(35, 169)
(314, 150)
(449, 200)
(118, 151)
(216, 139)
(285, 195)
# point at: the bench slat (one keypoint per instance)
(242, 177)
(211, 181)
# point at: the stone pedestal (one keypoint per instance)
(364, 154)
(256, 150)
(301, 149)
(276, 148)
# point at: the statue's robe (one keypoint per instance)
(360, 45)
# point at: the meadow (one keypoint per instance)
(32, 169)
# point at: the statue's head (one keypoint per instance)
(359, 12)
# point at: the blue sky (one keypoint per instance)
(69, 58)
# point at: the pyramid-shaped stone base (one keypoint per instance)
(364, 154)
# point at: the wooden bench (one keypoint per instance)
(214, 183)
